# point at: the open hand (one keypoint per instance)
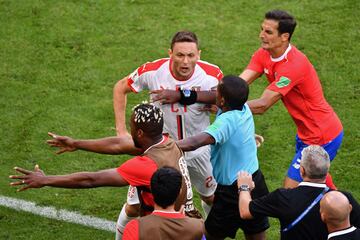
(66, 144)
(259, 140)
(29, 179)
(165, 96)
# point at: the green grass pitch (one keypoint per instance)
(60, 59)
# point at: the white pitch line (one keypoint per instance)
(58, 214)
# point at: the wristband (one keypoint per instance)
(244, 187)
(187, 97)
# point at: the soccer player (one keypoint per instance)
(165, 222)
(296, 208)
(233, 148)
(335, 212)
(157, 150)
(183, 70)
(293, 79)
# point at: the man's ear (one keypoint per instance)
(199, 54)
(285, 37)
(140, 133)
(222, 102)
(170, 52)
(302, 171)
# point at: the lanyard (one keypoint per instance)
(306, 211)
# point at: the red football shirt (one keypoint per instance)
(294, 77)
(137, 172)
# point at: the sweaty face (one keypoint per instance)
(184, 56)
(269, 35)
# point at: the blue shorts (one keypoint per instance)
(331, 148)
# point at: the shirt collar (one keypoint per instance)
(342, 232)
(163, 139)
(311, 184)
(278, 59)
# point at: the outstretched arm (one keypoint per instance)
(194, 142)
(166, 96)
(37, 179)
(110, 145)
(121, 89)
(267, 99)
(249, 75)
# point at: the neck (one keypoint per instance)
(278, 51)
(170, 208)
(334, 228)
(148, 142)
(306, 179)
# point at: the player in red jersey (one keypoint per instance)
(147, 138)
(293, 79)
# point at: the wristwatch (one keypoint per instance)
(186, 92)
(244, 187)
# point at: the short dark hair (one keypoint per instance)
(148, 118)
(165, 186)
(287, 22)
(235, 91)
(184, 36)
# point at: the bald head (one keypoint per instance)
(335, 208)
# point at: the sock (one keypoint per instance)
(329, 182)
(121, 223)
(206, 208)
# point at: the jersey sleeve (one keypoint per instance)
(138, 80)
(137, 171)
(221, 130)
(256, 62)
(131, 231)
(268, 205)
(286, 79)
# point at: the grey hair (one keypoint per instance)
(316, 162)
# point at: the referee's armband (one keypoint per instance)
(187, 97)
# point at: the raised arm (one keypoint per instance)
(194, 142)
(110, 145)
(37, 179)
(121, 89)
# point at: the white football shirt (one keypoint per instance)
(180, 121)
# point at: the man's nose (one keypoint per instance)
(186, 59)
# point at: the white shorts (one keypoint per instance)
(200, 171)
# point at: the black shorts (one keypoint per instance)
(224, 218)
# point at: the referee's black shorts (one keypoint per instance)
(224, 218)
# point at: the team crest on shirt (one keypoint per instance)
(283, 82)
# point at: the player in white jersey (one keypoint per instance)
(182, 70)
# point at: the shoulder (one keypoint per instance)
(296, 58)
(131, 230)
(137, 163)
(152, 66)
(260, 52)
(210, 69)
